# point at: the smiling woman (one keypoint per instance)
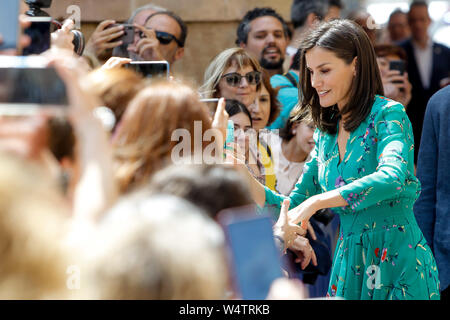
(362, 167)
(233, 74)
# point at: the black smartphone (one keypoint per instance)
(150, 69)
(9, 24)
(397, 65)
(28, 85)
(128, 34)
(254, 259)
(39, 32)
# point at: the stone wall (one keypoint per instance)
(211, 23)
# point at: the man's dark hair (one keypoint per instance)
(180, 22)
(335, 3)
(244, 26)
(395, 12)
(418, 3)
(300, 9)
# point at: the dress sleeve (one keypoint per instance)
(306, 186)
(392, 128)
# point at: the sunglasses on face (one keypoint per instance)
(163, 37)
(234, 79)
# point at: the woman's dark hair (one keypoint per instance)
(297, 114)
(346, 40)
(234, 107)
(273, 93)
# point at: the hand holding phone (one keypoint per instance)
(398, 65)
(106, 36)
(28, 85)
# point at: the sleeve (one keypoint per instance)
(425, 207)
(306, 186)
(392, 151)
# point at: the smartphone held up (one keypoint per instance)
(28, 85)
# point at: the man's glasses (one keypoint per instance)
(234, 79)
(163, 37)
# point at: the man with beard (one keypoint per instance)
(264, 33)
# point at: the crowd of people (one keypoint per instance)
(331, 138)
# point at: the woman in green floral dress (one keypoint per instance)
(362, 167)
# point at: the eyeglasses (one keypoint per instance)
(234, 79)
(163, 37)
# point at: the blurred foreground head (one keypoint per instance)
(159, 247)
(152, 126)
(115, 87)
(32, 226)
(210, 187)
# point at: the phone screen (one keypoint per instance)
(26, 86)
(150, 69)
(39, 32)
(255, 259)
(9, 23)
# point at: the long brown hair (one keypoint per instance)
(143, 139)
(346, 40)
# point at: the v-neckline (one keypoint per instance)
(337, 145)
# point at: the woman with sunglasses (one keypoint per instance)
(233, 74)
(362, 166)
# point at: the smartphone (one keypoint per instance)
(9, 24)
(150, 69)
(39, 32)
(253, 257)
(397, 65)
(230, 133)
(128, 34)
(27, 85)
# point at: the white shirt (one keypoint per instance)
(287, 172)
(424, 60)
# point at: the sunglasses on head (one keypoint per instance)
(234, 79)
(163, 37)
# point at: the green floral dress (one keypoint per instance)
(381, 252)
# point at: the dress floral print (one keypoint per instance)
(381, 252)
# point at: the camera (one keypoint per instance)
(36, 11)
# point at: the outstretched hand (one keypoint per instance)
(284, 227)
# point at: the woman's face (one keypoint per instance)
(245, 92)
(383, 63)
(241, 125)
(331, 76)
(260, 110)
(304, 135)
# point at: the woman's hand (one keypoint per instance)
(396, 86)
(304, 212)
(220, 121)
(285, 229)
